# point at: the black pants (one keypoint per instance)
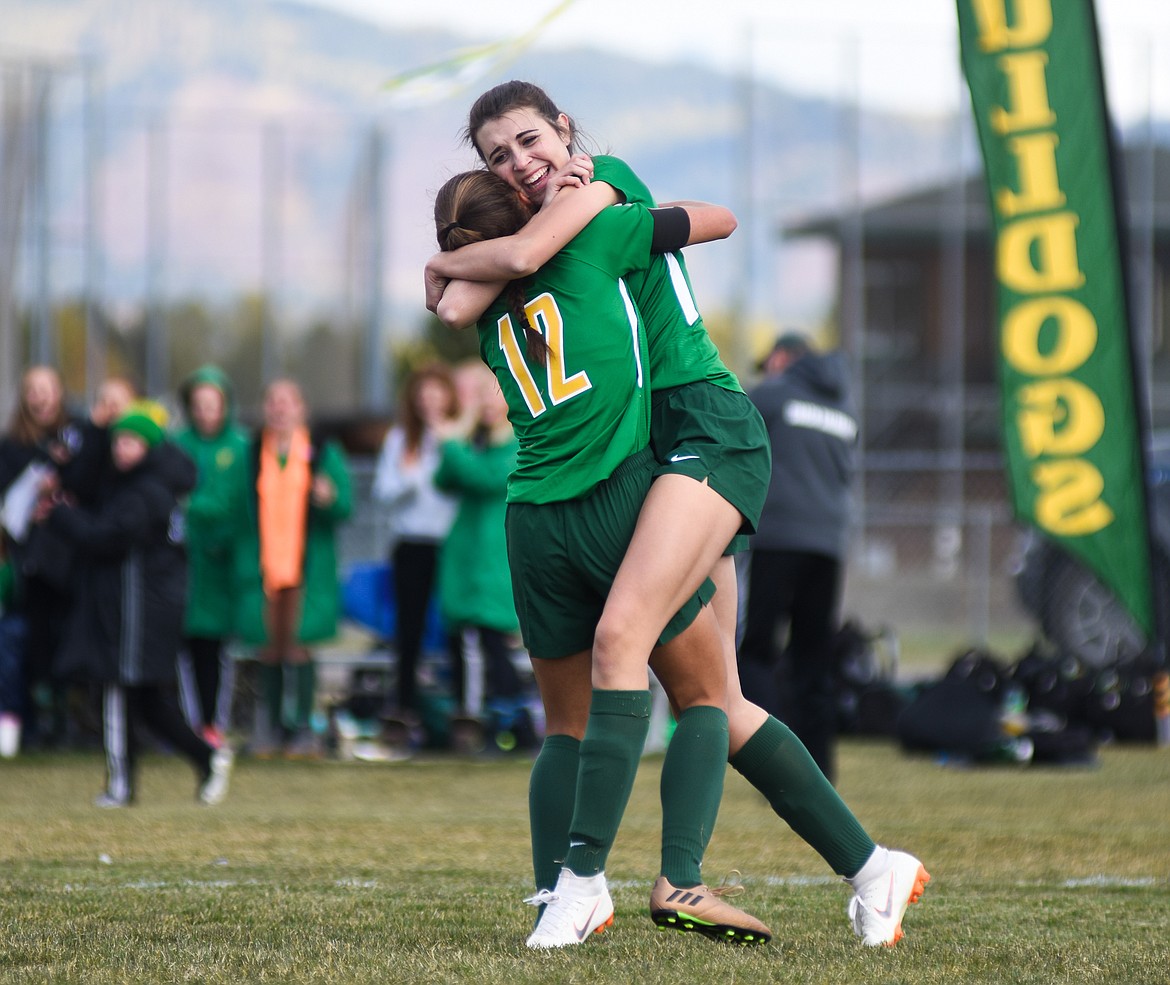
(413, 563)
(798, 591)
(499, 676)
(157, 707)
(206, 660)
(45, 607)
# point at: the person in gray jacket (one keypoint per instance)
(797, 553)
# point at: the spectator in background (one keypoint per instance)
(90, 465)
(476, 457)
(82, 472)
(218, 447)
(114, 395)
(420, 517)
(295, 494)
(41, 438)
(798, 550)
(12, 633)
(123, 632)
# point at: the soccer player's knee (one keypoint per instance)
(617, 634)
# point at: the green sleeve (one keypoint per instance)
(464, 469)
(334, 466)
(620, 176)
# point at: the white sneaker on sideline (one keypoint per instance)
(9, 735)
(575, 908)
(213, 789)
(877, 908)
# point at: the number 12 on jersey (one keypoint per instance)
(545, 316)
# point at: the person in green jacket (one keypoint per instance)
(476, 456)
(297, 493)
(214, 512)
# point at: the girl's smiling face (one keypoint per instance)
(524, 149)
(42, 395)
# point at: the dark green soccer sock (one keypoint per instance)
(776, 763)
(552, 788)
(272, 689)
(610, 751)
(691, 789)
(306, 680)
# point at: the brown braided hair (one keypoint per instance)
(475, 206)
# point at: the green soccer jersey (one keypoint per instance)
(586, 410)
(681, 351)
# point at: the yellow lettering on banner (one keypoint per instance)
(1068, 503)
(1031, 25)
(1074, 336)
(1039, 185)
(1059, 417)
(1028, 107)
(1037, 255)
(1046, 336)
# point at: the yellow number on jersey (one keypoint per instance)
(545, 316)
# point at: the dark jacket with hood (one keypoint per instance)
(131, 575)
(215, 511)
(813, 431)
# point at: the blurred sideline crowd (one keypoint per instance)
(140, 555)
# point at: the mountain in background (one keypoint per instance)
(244, 147)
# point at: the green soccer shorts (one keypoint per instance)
(714, 435)
(564, 556)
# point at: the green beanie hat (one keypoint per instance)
(144, 418)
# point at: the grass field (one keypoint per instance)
(415, 871)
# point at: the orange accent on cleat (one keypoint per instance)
(920, 881)
(878, 905)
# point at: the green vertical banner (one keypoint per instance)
(1073, 437)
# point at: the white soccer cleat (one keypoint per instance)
(575, 908)
(877, 908)
(215, 787)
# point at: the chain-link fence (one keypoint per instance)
(945, 574)
(940, 575)
(109, 263)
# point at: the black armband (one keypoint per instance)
(672, 229)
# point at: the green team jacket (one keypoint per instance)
(214, 514)
(475, 584)
(320, 601)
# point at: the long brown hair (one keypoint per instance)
(508, 96)
(409, 418)
(475, 206)
(22, 427)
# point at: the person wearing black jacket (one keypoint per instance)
(798, 550)
(125, 625)
(41, 437)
